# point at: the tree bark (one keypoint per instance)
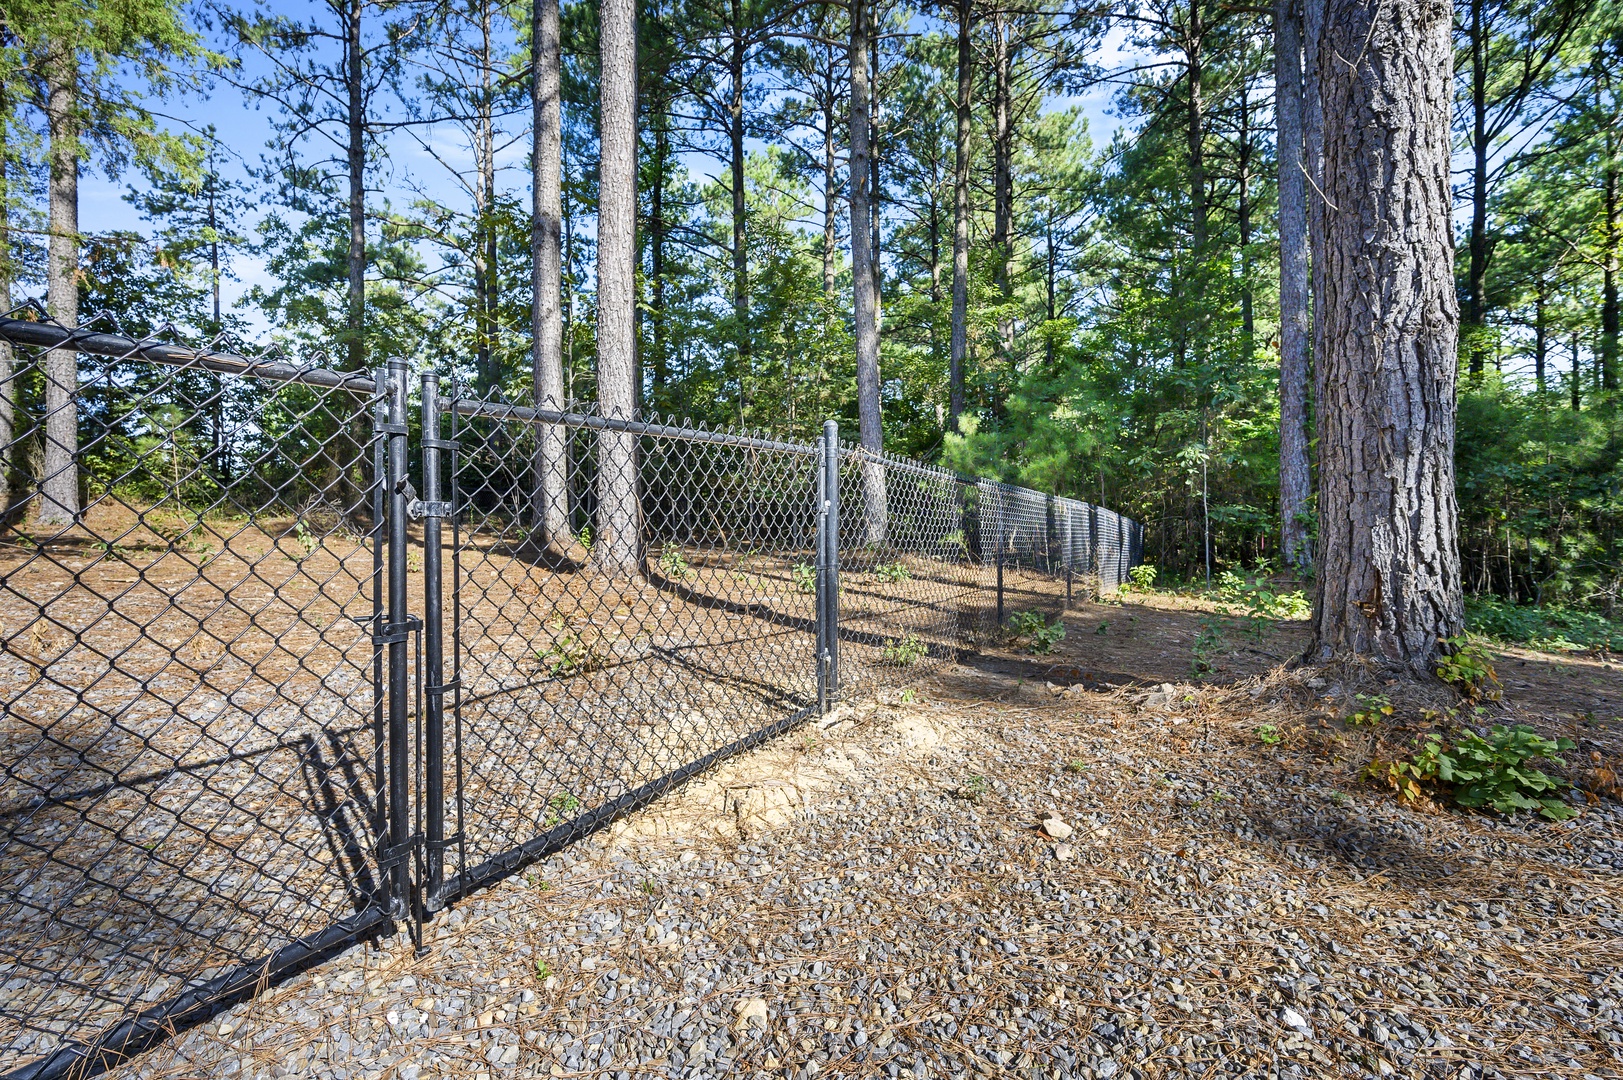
(830, 204)
(59, 486)
(1195, 126)
(735, 134)
(960, 220)
(1002, 177)
(1607, 355)
(657, 238)
(1243, 152)
(1476, 283)
(864, 300)
(8, 392)
(1386, 337)
(355, 321)
(546, 279)
(1295, 474)
(485, 286)
(618, 545)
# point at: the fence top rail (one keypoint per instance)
(903, 464)
(495, 410)
(51, 335)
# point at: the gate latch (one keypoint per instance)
(417, 509)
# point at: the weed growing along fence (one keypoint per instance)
(313, 654)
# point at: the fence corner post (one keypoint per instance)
(828, 561)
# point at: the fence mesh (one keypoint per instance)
(186, 686)
(262, 695)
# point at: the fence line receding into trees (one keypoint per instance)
(292, 656)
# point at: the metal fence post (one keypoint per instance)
(433, 512)
(395, 858)
(829, 556)
(1066, 548)
(1001, 543)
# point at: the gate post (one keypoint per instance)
(828, 568)
(433, 511)
(395, 856)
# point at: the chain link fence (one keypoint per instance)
(263, 696)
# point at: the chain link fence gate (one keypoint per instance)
(264, 697)
(200, 743)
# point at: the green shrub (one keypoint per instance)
(1141, 577)
(904, 651)
(1035, 632)
(1555, 627)
(1468, 669)
(569, 655)
(1478, 772)
(892, 572)
(673, 565)
(805, 577)
(1207, 644)
(1493, 772)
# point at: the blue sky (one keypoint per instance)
(244, 129)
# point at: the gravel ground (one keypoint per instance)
(883, 898)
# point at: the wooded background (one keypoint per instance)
(1118, 334)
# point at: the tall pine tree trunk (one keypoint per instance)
(1195, 125)
(1003, 178)
(1385, 337)
(1607, 354)
(831, 228)
(1295, 475)
(8, 392)
(657, 238)
(618, 547)
(546, 279)
(959, 353)
(1476, 283)
(865, 302)
(735, 134)
(355, 317)
(60, 485)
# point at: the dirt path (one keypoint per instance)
(877, 898)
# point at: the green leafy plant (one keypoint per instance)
(673, 565)
(569, 655)
(1037, 634)
(904, 651)
(1268, 734)
(1468, 669)
(1406, 777)
(804, 575)
(561, 806)
(975, 789)
(1076, 766)
(1493, 771)
(1483, 772)
(1372, 709)
(542, 971)
(307, 539)
(1207, 643)
(1231, 587)
(584, 537)
(892, 572)
(1141, 578)
(909, 696)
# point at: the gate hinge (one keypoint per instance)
(391, 856)
(397, 632)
